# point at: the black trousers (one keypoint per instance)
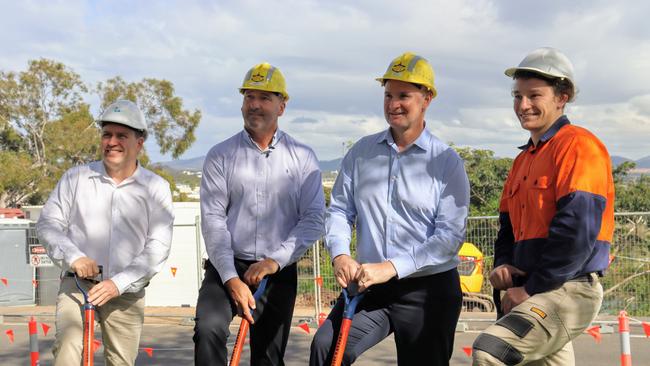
(422, 312)
(270, 333)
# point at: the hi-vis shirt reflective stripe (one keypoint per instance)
(557, 208)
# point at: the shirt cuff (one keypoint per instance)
(281, 257)
(121, 281)
(339, 249)
(404, 265)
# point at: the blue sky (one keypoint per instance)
(331, 51)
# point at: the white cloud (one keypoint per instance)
(330, 53)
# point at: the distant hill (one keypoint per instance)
(196, 164)
(330, 165)
(616, 160)
(643, 163)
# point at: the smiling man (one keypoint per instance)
(115, 214)
(408, 195)
(262, 207)
(557, 222)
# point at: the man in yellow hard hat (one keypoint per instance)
(408, 194)
(262, 207)
(557, 222)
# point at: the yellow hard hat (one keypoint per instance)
(410, 68)
(265, 77)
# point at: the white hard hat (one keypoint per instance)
(125, 112)
(549, 62)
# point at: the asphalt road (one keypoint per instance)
(171, 344)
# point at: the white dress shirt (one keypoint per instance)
(260, 204)
(126, 227)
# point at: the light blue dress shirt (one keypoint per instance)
(409, 207)
(260, 204)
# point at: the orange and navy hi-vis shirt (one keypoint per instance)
(557, 209)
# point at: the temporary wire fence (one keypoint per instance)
(626, 283)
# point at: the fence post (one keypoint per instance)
(624, 331)
(199, 255)
(317, 274)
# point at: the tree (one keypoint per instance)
(486, 175)
(46, 127)
(171, 125)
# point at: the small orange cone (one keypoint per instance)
(595, 332)
(174, 271)
(10, 334)
(96, 344)
(304, 326)
(321, 319)
(646, 329)
(319, 281)
(4, 280)
(149, 351)
(46, 328)
(468, 351)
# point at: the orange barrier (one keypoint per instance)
(624, 331)
(33, 342)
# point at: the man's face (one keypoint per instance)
(120, 146)
(261, 109)
(536, 105)
(404, 105)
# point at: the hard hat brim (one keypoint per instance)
(433, 90)
(285, 95)
(510, 72)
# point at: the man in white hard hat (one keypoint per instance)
(408, 194)
(557, 221)
(262, 207)
(115, 214)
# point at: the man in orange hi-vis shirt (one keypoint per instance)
(557, 221)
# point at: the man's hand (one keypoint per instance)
(85, 267)
(242, 296)
(102, 292)
(501, 276)
(257, 271)
(513, 297)
(375, 273)
(345, 269)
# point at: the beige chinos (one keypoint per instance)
(539, 330)
(120, 319)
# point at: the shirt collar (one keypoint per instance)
(423, 141)
(561, 122)
(100, 171)
(274, 141)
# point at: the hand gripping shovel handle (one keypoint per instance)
(89, 325)
(243, 328)
(351, 303)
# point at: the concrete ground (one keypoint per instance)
(168, 335)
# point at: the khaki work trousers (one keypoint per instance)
(539, 331)
(120, 319)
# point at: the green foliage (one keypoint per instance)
(633, 195)
(171, 125)
(46, 127)
(486, 175)
(17, 178)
